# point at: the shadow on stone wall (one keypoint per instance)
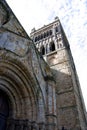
(67, 101)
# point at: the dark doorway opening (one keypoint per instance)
(4, 110)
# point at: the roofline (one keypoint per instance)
(45, 26)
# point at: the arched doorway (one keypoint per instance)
(4, 110)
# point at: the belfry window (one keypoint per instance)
(35, 39)
(52, 46)
(42, 50)
(44, 35)
(56, 29)
(47, 33)
(50, 32)
(41, 36)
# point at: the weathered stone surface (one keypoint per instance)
(25, 78)
(66, 100)
(53, 45)
(68, 118)
(9, 21)
(14, 43)
(37, 97)
(3, 14)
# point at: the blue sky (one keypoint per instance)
(73, 16)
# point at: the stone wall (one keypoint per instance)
(25, 78)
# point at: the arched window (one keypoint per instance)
(42, 50)
(41, 36)
(35, 39)
(56, 29)
(52, 46)
(47, 33)
(50, 32)
(44, 35)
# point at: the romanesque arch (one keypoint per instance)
(24, 77)
(16, 82)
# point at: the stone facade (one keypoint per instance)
(27, 87)
(51, 42)
(33, 96)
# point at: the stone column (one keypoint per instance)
(51, 122)
(53, 30)
(55, 41)
(48, 47)
(51, 117)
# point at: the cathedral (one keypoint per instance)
(39, 86)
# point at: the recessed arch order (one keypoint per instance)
(16, 82)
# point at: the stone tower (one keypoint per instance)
(51, 42)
